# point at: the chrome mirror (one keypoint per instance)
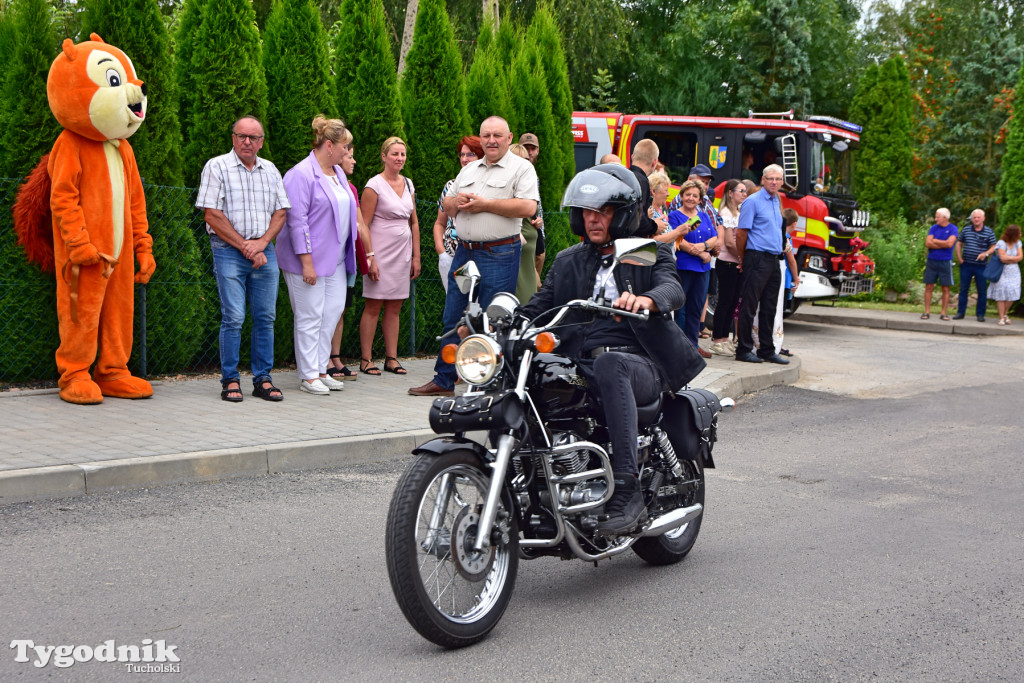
(467, 276)
(636, 251)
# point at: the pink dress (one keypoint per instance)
(392, 240)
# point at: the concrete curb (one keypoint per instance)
(854, 318)
(63, 481)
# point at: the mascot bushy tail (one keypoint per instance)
(80, 208)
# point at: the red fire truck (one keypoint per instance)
(816, 155)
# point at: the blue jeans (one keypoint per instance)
(976, 271)
(695, 287)
(499, 270)
(238, 281)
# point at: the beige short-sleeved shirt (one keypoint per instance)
(511, 177)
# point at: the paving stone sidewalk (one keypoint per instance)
(186, 433)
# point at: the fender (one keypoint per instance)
(447, 444)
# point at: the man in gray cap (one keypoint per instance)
(532, 145)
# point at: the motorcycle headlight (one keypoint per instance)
(478, 359)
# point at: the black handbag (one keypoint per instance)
(993, 268)
(500, 410)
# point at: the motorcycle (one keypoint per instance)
(463, 514)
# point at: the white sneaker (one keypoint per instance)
(316, 387)
(722, 349)
(332, 384)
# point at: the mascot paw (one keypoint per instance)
(84, 255)
(146, 267)
(82, 392)
(126, 387)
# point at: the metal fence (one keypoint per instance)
(177, 315)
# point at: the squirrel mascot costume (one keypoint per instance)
(90, 186)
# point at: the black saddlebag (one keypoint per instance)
(690, 420)
(454, 415)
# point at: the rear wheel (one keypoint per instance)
(452, 595)
(672, 546)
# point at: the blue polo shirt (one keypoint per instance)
(701, 232)
(761, 217)
(942, 233)
(975, 241)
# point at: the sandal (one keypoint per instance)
(267, 393)
(705, 333)
(342, 372)
(785, 352)
(367, 367)
(231, 395)
(943, 317)
(396, 368)
(925, 316)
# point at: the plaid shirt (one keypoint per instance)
(247, 198)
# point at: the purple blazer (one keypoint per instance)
(314, 222)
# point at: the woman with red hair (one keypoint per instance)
(469, 149)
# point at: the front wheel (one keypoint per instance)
(672, 546)
(452, 595)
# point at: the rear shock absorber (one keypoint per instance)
(668, 453)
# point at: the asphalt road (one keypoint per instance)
(864, 524)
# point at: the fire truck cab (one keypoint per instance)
(817, 160)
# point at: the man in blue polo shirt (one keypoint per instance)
(939, 266)
(975, 246)
(758, 245)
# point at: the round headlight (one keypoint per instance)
(478, 359)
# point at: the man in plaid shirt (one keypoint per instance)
(245, 207)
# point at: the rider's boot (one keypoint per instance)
(626, 508)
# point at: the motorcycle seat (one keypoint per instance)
(647, 414)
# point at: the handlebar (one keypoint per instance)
(587, 305)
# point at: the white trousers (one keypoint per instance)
(317, 310)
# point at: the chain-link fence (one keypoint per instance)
(178, 313)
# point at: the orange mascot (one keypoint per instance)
(98, 218)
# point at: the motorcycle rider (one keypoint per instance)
(627, 362)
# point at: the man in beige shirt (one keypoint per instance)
(488, 202)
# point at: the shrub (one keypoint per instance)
(897, 248)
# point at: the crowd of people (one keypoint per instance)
(993, 265)
(318, 231)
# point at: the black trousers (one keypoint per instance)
(728, 294)
(761, 282)
(623, 381)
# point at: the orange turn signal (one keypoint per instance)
(544, 342)
(448, 353)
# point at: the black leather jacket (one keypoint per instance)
(572, 276)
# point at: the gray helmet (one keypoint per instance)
(600, 186)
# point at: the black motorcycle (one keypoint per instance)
(463, 514)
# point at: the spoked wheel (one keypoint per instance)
(672, 546)
(450, 593)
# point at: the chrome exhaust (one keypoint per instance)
(673, 520)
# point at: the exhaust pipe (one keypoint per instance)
(673, 520)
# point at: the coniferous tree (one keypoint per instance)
(486, 83)
(184, 80)
(137, 29)
(532, 105)
(367, 84)
(508, 43)
(229, 82)
(544, 33)
(884, 106)
(295, 60)
(27, 127)
(433, 100)
(7, 39)
(1011, 185)
(774, 69)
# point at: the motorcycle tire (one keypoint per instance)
(672, 546)
(452, 596)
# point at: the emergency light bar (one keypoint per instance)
(838, 123)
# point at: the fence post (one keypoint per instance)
(142, 331)
(412, 321)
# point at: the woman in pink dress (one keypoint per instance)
(389, 209)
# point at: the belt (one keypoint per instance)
(473, 246)
(594, 353)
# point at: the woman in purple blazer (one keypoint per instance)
(316, 251)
